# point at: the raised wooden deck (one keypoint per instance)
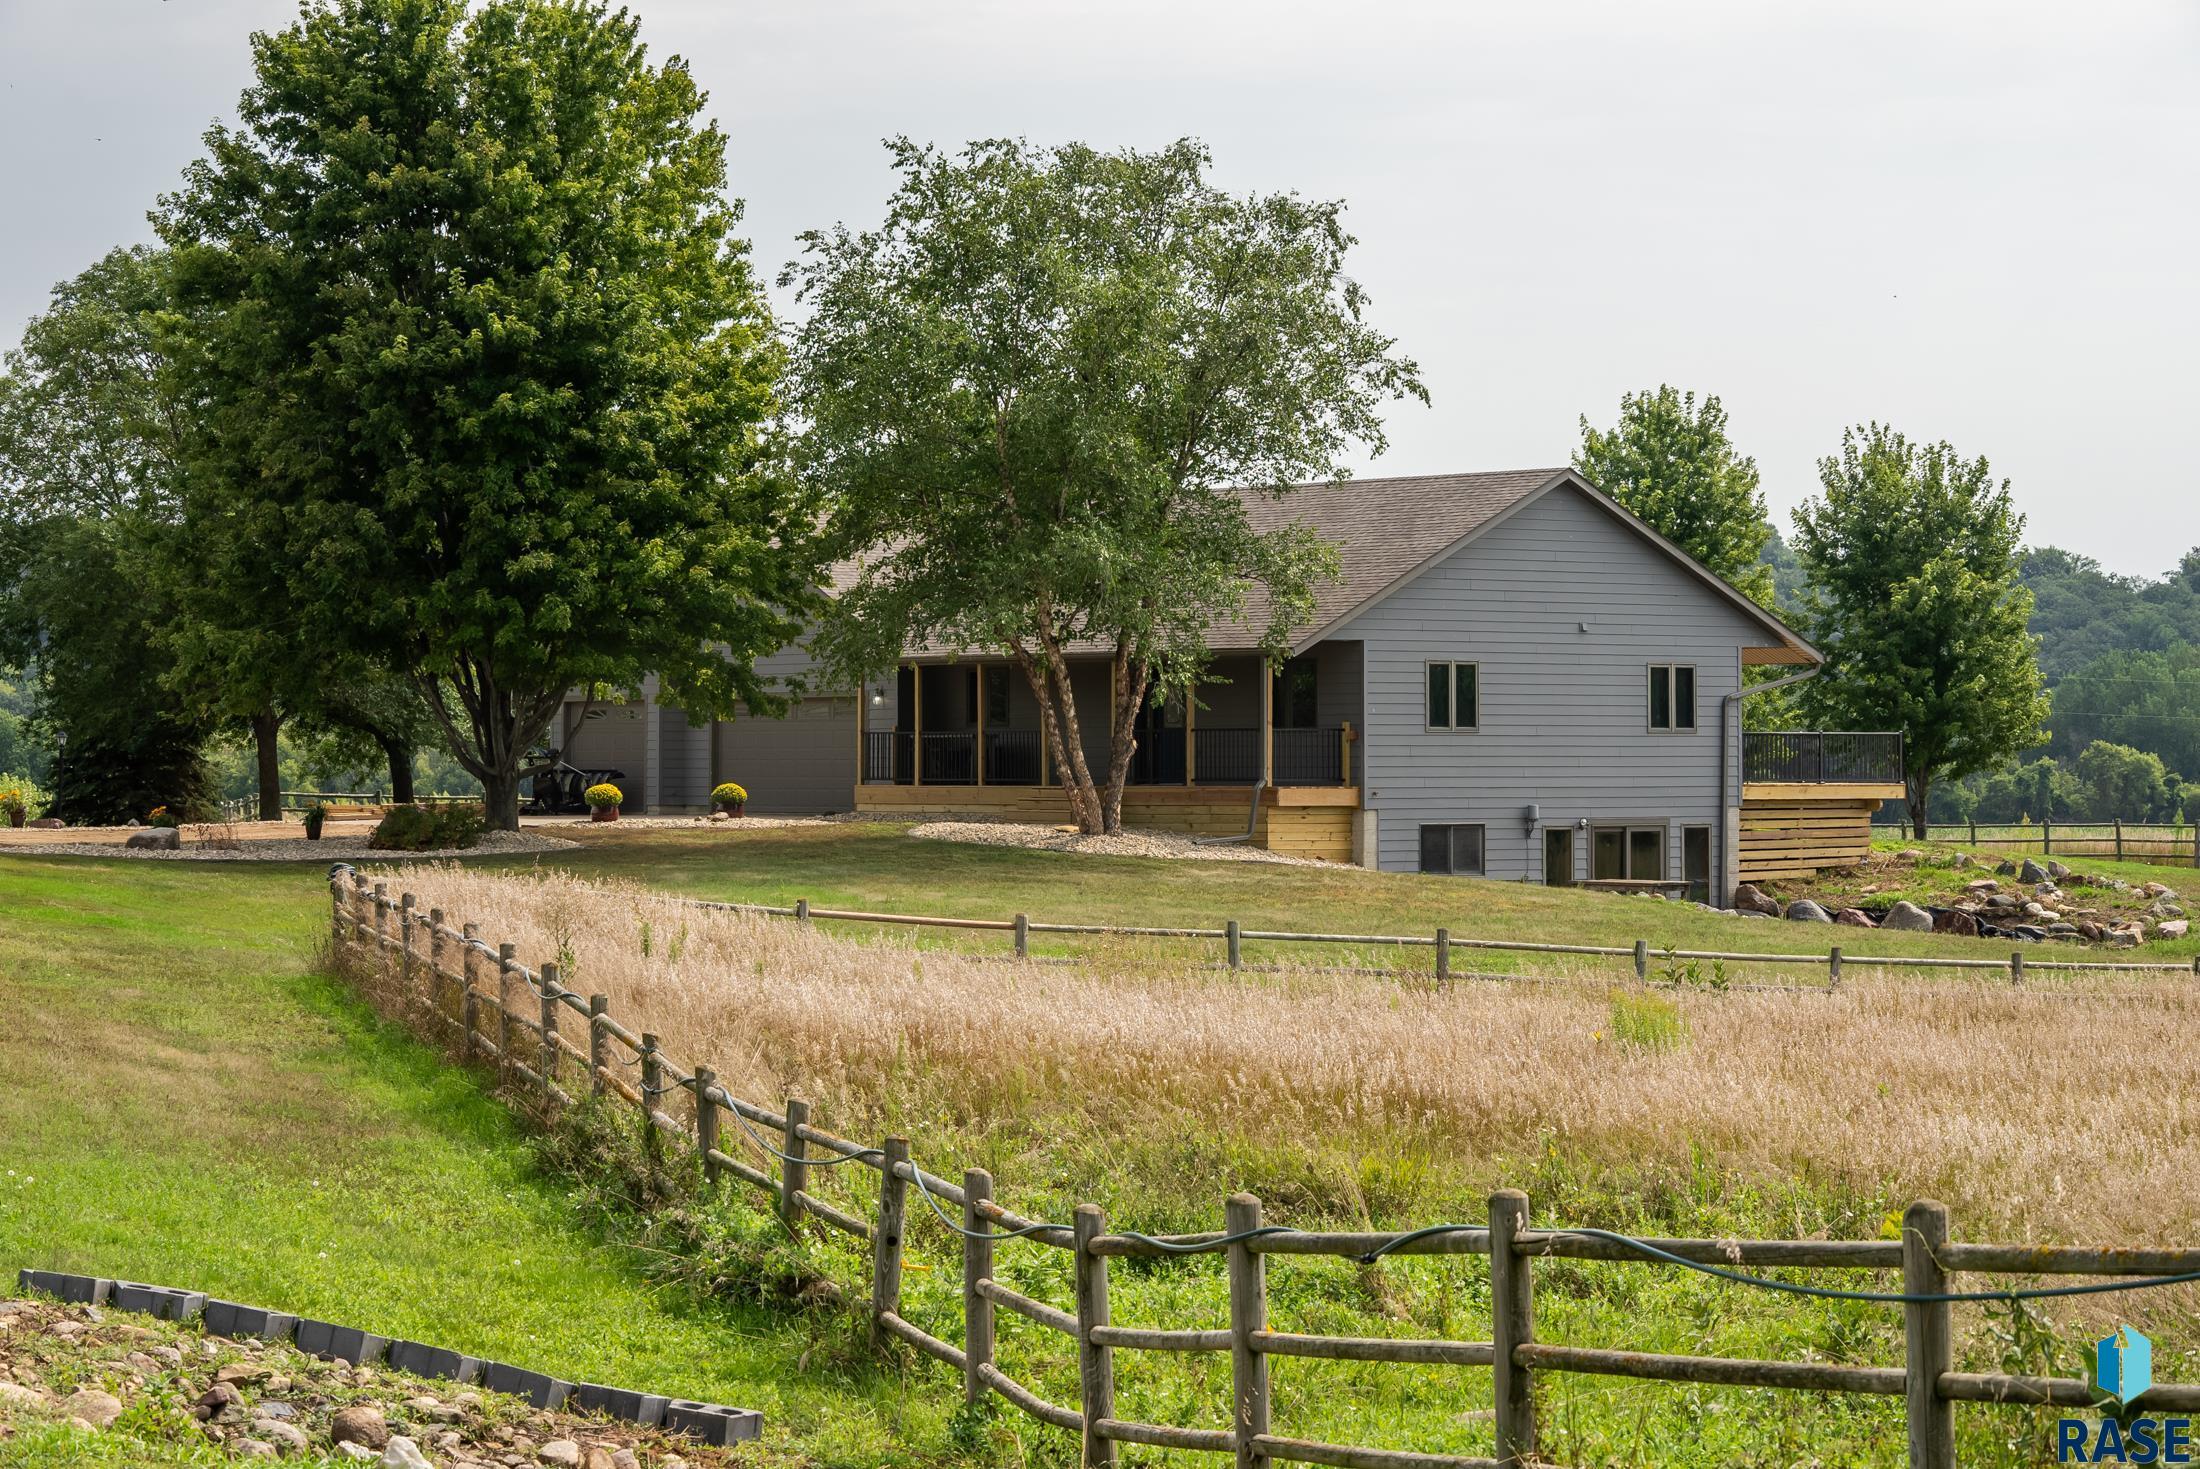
(1302, 821)
(1792, 829)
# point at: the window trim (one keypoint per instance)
(1451, 830)
(1451, 667)
(1627, 829)
(1672, 701)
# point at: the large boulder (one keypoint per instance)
(2006, 867)
(361, 1425)
(2031, 872)
(2176, 928)
(1748, 899)
(155, 839)
(48, 823)
(1803, 910)
(1982, 886)
(1955, 921)
(1855, 918)
(1908, 918)
(2058, 871)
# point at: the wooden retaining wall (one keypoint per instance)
(1792, 831)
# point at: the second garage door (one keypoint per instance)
(802, 765)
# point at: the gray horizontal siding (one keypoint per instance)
(1563, 711)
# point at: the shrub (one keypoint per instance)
(427, 828)
(600, 796)
(728, 793)
(1642, 1021)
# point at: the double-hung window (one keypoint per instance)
(1454, 696)
(1672, 697)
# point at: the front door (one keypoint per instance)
(1558, 856)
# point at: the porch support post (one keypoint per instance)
(916, 724)
(1267, 721)
(977, 680)
(1191, 710)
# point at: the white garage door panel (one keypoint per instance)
(613, 737)
(801, 765)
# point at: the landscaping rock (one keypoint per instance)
(15, 1395)
(2058, 871)
(218, 1404)
(402, 1453)
(1955, 921)
(2006, 867)
(2122, 937)
(1803, 910)
(1909, 854)
(155, 839)
(358, 1452)
(46, 823)
(1982, 886)
(2176, 928)
(1855, 918)
(93, 1406)
(1748, 899)
(560, 1451)
(1907, 917)
(360, 1424)
(288, 1436)
(2031, 872)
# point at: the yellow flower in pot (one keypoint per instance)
(729, 797)
(603, 801)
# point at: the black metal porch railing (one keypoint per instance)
(1013, 757)
(887, 755)
(1820, 757)
(1311, 757)
(1225, 756)
(950, 759)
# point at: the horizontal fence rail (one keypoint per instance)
(1642, 954)
(477, 997)
(2170, 843)
(1820, 757)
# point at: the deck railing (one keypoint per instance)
(1822, 757)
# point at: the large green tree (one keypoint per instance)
(90, 478)
(1671, 462)
(1912, 553)
(1030, 394)
(482, 370)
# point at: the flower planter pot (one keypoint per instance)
(731, 808)
(16, 818)
(603, 813)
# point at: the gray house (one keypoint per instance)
(1513, 678)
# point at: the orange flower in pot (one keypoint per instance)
(603, 801)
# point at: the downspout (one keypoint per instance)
(1252, 822)
(1735, 701)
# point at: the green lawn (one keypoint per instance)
(186, 1100)
(190, 1100)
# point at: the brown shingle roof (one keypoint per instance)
(1384, 531)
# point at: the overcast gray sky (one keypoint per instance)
(1979, 222)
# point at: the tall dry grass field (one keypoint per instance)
(2037, 1114)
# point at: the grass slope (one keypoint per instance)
(188, 1101)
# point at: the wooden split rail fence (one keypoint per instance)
(2166, 843)
(1233, 936)
(531, 1046)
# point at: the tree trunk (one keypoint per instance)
(500, 800)
(1048, 674)
(1921, 788)
(400, 756)
(1128, 679)
(266, 725)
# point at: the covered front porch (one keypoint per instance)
(964, 738)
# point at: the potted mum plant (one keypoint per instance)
(162, 816)
(13, 806)
(315, 817)
(729, 797)
(603, 801)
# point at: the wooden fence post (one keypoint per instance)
(1974, 831)
(794, 1170)
(550, 991)
(706, 1123)
(437, 978)
(381, 920)
(2047, 837)
(507, 959)
(1023, 937)
(977, 1266)
(2196, 844)
(1512, 1296)
(336, 905)
(599, 1008)
(469, 999)
(1833, 965)
(802, 909)
(1443, 955)
(2119, 839)
(406, 902)
(1095, 1363)
(2016, 966)
(1642, 960)
(653, 1082)
(1248, 1314)
(1929, 1338)
(893, 1195)
(1233, 943)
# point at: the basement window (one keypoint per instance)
(1453, 851)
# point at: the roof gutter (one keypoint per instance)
(1734, 701)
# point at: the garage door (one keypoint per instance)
(802, 765)
(612, 737)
